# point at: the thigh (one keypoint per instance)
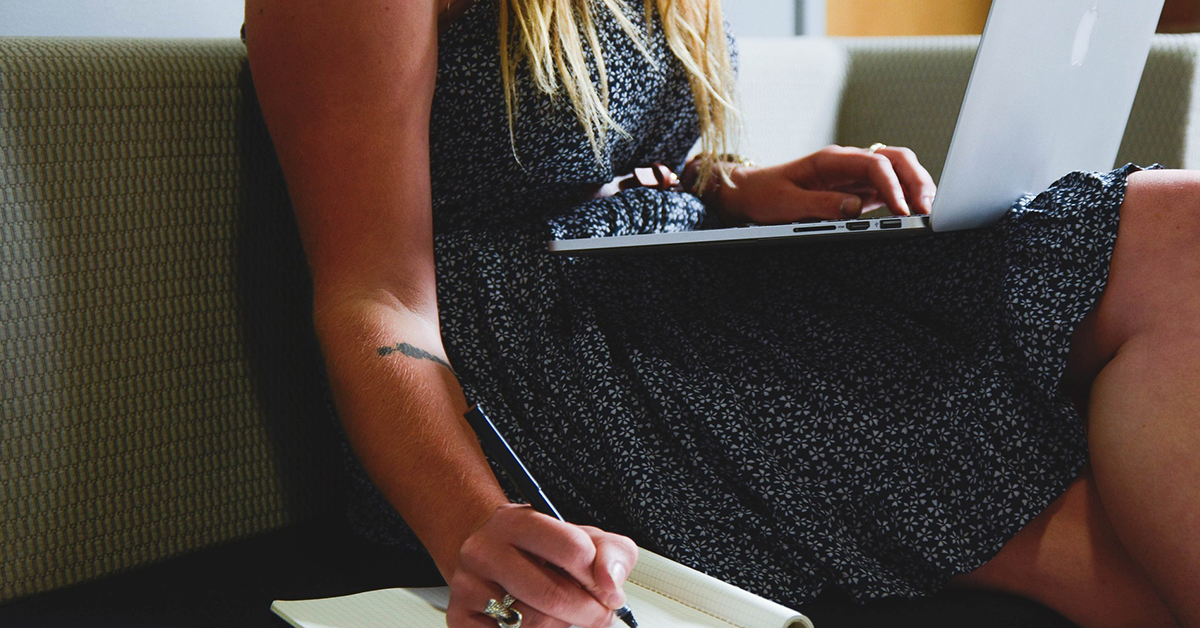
(1069, 559)
(1155, 259)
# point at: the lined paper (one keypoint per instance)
(384, 608)
(730, 604)
(661, 592)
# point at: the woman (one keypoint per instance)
(1020, 417)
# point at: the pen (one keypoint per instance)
(495, 446)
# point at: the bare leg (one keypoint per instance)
(1127, 536)
(1069, 559)
(1144, 410)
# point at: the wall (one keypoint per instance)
(121, 18)
(223, 18)
(770, 18)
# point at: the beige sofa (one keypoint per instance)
(160, 387)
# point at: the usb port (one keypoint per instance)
(861, 225)
(890, 224)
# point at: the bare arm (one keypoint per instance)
(346, 90)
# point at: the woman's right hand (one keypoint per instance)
(560, 574)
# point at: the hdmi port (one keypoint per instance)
(890, 224)
(861, 225)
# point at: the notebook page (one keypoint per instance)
(662, 594)
(384, 608)
(697, 590)
(425, 608)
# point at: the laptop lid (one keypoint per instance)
(1051, 92)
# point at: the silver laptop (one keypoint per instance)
(1050, 92)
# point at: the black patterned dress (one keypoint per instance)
(872, 417)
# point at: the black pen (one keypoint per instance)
(497, 448)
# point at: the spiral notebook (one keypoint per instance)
(662, 594)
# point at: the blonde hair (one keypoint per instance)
(550, 35)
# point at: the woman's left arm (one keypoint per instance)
(834, 183)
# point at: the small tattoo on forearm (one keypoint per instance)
(412, 352)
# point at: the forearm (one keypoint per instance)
(346, 90)
(402, 409)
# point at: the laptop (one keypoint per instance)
(1050, 92)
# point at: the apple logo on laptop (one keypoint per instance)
(1083, 37)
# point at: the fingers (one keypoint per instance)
(615, 558)
(872, 167)
(537, 586)
(554, 569)
(919, 187)
(814, 206)
(557, 543)
(892, 174)
(469, 596)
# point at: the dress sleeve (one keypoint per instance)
(630, 212)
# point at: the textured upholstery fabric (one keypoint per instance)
(155, 358)
(907, 92)
(160, 388)
(1165, 123)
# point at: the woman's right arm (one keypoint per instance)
(346, 90)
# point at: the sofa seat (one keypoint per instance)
(232, 585)
(167, 450)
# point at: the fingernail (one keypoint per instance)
(852, 207)
(617, 572)
(927, 203)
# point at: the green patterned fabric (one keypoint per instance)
(160, 387)
(907, 92)
(157, 365)
(1165, 123)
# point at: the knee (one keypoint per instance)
(1159, 203)
(1156, 263)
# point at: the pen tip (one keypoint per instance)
(626, 616)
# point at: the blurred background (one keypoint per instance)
(222, 18)
(953, 17)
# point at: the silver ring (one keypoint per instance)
(503, 613)
(876, 147)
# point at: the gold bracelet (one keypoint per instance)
(735, 158)
(690, 176)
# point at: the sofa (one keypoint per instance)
(167, 456)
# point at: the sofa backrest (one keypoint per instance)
(160, 385)
(800, 94)
(161, 388)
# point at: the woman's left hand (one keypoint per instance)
(834, 183)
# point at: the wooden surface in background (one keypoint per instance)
(1180, 16)
(956, 17)
(906, 17)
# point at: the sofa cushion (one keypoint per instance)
(232, 586)
(162, 384)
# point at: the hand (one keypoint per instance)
(834, 183)
(561, 574)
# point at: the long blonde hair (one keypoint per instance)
(550, 36)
